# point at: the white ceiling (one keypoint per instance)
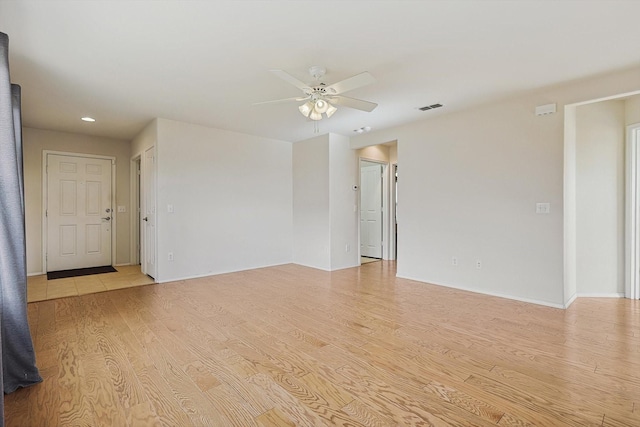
(206, 62)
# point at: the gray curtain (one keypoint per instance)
(18, 356)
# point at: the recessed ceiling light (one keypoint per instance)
(363, 129)
(88, 119)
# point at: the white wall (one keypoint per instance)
(600, 136)
(469, 186)
(379, 153)
(35, 142)
(632, 110)
(232, 201)
(343, 175)
(324, 221)
(393, 153)
(145, 139)
(311, 210)
(469, 182)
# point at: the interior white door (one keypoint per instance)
(371, 210)
(78, 212)
(148, 226)
(632, 201)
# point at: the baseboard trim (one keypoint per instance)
(601, 295)
(122, 265)
(493, 294)
(571, 300)
(199, 276)
(311, 266)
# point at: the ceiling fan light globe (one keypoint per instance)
(306, 108)
(321, 106)
(330, 110)
(315, 115)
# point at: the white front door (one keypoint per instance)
(148, 225)
(371, 210)
(78, 212)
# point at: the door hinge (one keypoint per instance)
(46, 213)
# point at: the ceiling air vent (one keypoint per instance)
(430, 107)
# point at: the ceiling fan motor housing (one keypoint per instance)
(317, 71)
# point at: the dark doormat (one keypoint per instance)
(80, 272)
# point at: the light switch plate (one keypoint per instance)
(543, 208)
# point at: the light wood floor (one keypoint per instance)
(127, 276)
(290, 345)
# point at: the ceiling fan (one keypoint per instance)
(322, 99)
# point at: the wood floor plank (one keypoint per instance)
(142, 414)
(237, 412)
(162, 398)
(116, 358)
(75, 406)
(543, 405)
(290, 345)
(45, 399)
(366, 415)
(293, 409)
(274, 418)
(101, 394)
(18, 405)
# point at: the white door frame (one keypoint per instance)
(45, 192)
(393, 248)
(386, 217)
(632, 201)
(135, 191)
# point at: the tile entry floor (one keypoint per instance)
(127, 276)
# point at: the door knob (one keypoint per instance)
(107, 218)
(145, 219)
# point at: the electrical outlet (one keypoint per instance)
(478, 264)
(170, 256)
(454, 260)
(347, 248)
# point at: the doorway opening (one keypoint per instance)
(614, 225)
(384, 157)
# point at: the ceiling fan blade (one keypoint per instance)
(351, 83)
(358, 104)
(291, 80)
(275, 101)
